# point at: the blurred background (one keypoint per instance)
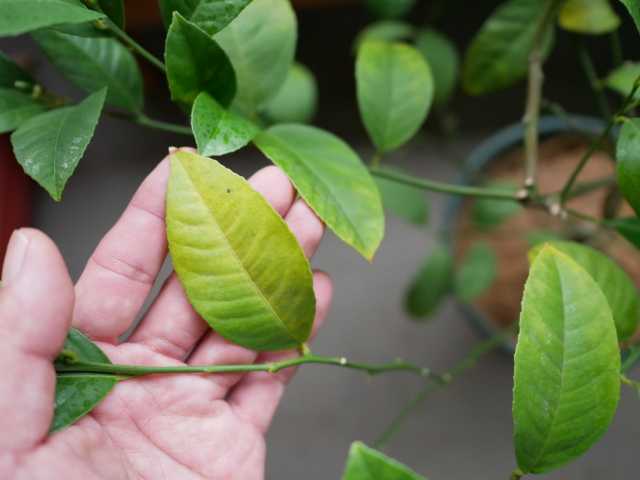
(460, 432)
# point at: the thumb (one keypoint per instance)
(36, 303)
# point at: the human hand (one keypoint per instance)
(161, 426)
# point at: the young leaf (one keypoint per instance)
(195, 63)
(408, 203)
(10, 73)
(477, 272)
(389, 8)
(364, 463)
(297, 99)
(567, 365)
(78, 394)
(218, 131)
(633, 6)
(95, 63)
(615, 283)
(621, 80)
(628, 162)
(261, 44)
(15, 108)
(629, 228)
(210, 15)
(592, 17)
(432, 283)
(239, 264)
(488, 213)
(395, 90)
(50, 145)
(21, 16)
(386, 31)
(331, 178)
(499, 54)
(442, 56)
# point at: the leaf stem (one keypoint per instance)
(443, 187)
(143, 120)
(443, 380)
(135, 46)
(596, 86)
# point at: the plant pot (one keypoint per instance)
(499, 158)
(15, 194)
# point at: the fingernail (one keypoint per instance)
(14, 259)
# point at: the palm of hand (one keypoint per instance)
(170, 426)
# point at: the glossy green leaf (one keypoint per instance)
(621, 80)
(615, 283)
(196, 63)
(404, 201)
(432, 283)
(488, 213)
(442, 56)
(567, 365)
(331, 178)
(477, 272)
(88, 29)
(389, 8)
(50, 145)
(498, 56)
(218, 131)
(593, 17)
(395, 90)
(15, 108)
(364, 463)
(628, 162)
(238, 262)
(633, 7)
(21, 16)
(629, 228)
(297, 99)
(385, 30)
(95, 63)
(10, 73)
(77, 394)
(261, 44)
(210, 15)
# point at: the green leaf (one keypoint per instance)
(389, 8)
(261, 44)
(498, 56)
(476, 273)
(628, 162)
(95, 63)
(10, 73)
(216, 130)
(488, 213)
(210, 15)
(629, 228)
(50, 145)
(77, 393)
(238, 262)
(331, 178)
(442, 56)
(404, 201)
(432, 283)
(621, 80)
(592, 17)
(384, 30)
(15, 108)
(21, 16)
(195, 63)
(297, 99)
(615, 283)
(633, 6)
(395, 90)
(567, 365)
(365, 463)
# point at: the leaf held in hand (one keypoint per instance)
(365, 463)
(241, 267)
(567, 365)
